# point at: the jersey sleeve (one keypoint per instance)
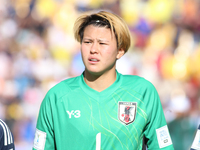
(1, 137)
(44, 135)
(156, 132)
(6, 137)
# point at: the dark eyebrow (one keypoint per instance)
(99, 40)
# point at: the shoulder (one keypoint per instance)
(3, 125)
(1, 129)
(67, 84)
(63, 88)
(138, 85)
(4, 130)
(136, 81)
(6, 136)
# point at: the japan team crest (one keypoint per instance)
(127, 112)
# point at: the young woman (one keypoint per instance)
(101, 108)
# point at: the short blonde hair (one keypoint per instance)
(108, 20)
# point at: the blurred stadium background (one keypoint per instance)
(37, 50)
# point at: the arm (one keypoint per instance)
(156, 132)
(44, 135)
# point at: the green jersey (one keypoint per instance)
(74, 116)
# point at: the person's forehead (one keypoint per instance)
(93, 30)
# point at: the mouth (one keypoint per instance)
(93, 60)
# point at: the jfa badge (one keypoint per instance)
(127, 112)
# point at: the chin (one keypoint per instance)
(94, 72)
(98, 72)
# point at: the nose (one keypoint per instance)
(94, 48)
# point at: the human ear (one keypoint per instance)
(120, 53)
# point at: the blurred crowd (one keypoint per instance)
(38, 50)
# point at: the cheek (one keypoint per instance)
(82, 54)
(111, 54)
(110, 58)
(83, 50)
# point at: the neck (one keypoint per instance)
(99, 82)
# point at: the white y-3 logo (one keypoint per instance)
(75, 113)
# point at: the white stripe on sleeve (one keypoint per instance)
(11, 138)
(5, 134)
(8, 139)
(8, 133)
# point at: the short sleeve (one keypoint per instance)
(44, 134)
(156, 132)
